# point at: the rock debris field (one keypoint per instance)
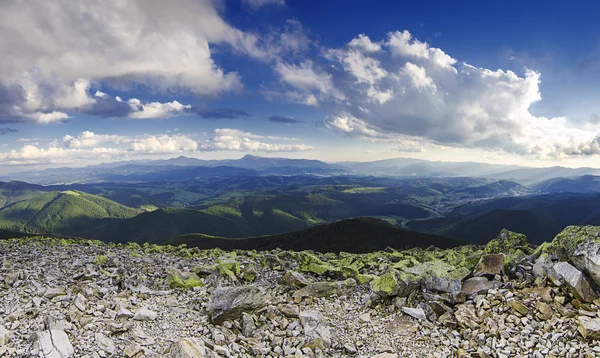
(67, 298)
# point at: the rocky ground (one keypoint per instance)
(61, 298)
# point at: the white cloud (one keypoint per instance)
(164, 144)
(235, 140)
(408, 90)
(54, 52)
(156, 109)
(90, 146)
(89, 139)
(364, 43)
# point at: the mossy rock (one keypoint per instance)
(178, 279)
(395, 283)
(309, 262)
(507, 242)
(566, 241)
(101, 260)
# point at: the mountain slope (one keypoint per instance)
(64, 212)
(350, 235)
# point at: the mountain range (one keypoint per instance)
(182, 168)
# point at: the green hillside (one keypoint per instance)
(163, 224)
(351, 235)
(65, 212)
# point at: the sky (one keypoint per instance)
(85, 82)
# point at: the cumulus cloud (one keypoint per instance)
(401, 88)
(54, 52)
(6, 130)
(92, 146)
(236, 140)
(284, 119)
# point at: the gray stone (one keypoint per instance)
(490, 265)
(586, 257)
(575, 280)
(54, 344)
(144, 314)
(190, 348)
(417, 313)
(315, 327)
(439, 276)
(478, 285)
(105, 343)
(324, 289)
(3, 336)
(589, 328)
(542, 265)
(228, 303)
(296, 279)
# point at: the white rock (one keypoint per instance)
(415, 312)
(54, 344)
(3, 335)
(144, 314)
(315, 327)
(105, 343)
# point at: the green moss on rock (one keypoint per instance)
(507, 242)
(178, 279)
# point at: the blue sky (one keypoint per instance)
(510, 82)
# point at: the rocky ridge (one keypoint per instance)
(66, 298)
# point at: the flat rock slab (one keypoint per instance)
(54, 344)
(228, 303)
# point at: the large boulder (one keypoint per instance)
(190, 348)
(183, 280)
(324, 289)
(478, 285)
(490, 265)
(54, 343)
(439, 276)
(565, 243)
(507, 242)
(395, 283)
(586, 257)
(228, 303)
(589, 328)
(315, 328)
(575, 280)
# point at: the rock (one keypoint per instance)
(296, 279)
(544, 292)
(3, 336)
(144, 314)
(395, 283)
(228, 303)
(586, 257)
(506, 242)
(589, 328)
(289, 310)
(80, 301)
(190, 348)
(518, 307)
(54, 344)
(490, 265)
(324, 289)
(133, 350)
(439, 276)
(124, 313)
(575, 280)
(417, 313)
(466, 316)
(55, 292)
(542, 265)
(248, 325)
(105, 343)
(183, 280)
(385, 355)
(478, 285)
(315, 327)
